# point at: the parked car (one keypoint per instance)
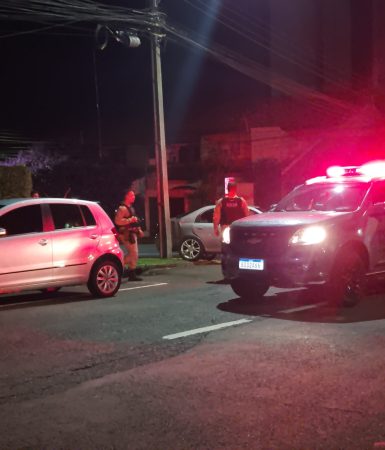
(47, 243)
(193, 235)
(328, 231)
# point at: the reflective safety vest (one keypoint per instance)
(231, 209)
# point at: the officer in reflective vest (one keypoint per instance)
(128, 232)
(229, 208)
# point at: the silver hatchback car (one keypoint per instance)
(47, 243)
(193, 233)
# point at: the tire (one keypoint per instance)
(191, 249)
(347, 284)
(249, 290)
(105, 279)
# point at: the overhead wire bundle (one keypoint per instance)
(243, 26)
(276, 42)
(59, 13)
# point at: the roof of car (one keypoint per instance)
(331, 180)
(10, 201)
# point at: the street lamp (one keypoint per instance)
(131, 39)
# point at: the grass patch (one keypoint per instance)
(143, 262)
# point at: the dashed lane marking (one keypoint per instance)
(142, 287)
(206, 329)
(302, 308)
(35, 302)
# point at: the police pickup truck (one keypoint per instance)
(329, 231)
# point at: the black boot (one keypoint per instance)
(132, 276)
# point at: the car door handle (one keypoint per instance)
(94, 236)
(43, 242)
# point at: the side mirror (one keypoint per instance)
(3, 232)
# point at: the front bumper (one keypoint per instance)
(301, 266)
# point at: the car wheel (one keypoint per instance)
(191, 249)
(105, 279)
(347, 284)
(249, 290)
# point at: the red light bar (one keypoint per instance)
(335, 171)
(339, 171)
(374, 169)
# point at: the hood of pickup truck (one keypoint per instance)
(290, 218)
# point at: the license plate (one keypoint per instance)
(251, 264)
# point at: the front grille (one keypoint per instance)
(260, 242)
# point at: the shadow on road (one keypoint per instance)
(306, 305)
(28, 300)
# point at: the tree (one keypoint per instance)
(37, 159)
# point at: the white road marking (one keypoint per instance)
(23, 303)
(141, 287)
(302, 308)
(205, 329)
(32, 302)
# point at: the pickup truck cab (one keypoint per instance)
(329, 231)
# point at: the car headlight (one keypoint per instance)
(309, 235)
(226, 235)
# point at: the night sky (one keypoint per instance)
(47, 83)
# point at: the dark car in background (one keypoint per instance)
(193, 234)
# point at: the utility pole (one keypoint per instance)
(97, 99)
(160, 143)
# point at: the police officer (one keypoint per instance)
(229, 208)
(129, 231)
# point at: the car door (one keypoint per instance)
(25, 250)
(74, 242)
(374, 230)
(203, 228)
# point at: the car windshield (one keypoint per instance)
(324, 197)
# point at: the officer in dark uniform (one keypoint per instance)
(229, 208)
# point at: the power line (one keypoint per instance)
(144, 20)
(263, 42)
(262, 74)
(33, 31)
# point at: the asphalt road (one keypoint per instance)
(177, 361)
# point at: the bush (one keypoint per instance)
(15, 182)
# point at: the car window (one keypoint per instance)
(66, 216)
(88, 216)
(324, 197)
(205, 217)
(26, 219)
